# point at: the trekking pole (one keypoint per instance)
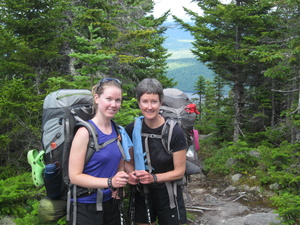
(121, 206)
(146, 192)
(131, 210)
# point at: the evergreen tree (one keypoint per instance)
(34, 32)
(90, 57)
(134, 37)
(215, 110)
(200, 91)
(280, 49)
(224, 38)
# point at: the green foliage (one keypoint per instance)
(288, 207)
(10, 171)
(31, 216)
(235, 157)
(91, 59)
(280, 165)
(33, 32)
(67, 82)
(215, 117)
(129, 110)
(20, 119)
(17, 194)
(271, 137)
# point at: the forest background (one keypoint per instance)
(252, 47)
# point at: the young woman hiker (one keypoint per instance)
(105, 169)
(155, 169)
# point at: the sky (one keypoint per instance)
(162, 6)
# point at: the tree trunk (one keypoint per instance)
(237, 109)
(273, 105)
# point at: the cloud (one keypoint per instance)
(186, 40)
(161, 6)
(179, 54)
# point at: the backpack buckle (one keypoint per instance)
(153, 136)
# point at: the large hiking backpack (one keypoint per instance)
(178, 108)
(64, 111)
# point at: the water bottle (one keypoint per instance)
(52, 178)
(50, 171)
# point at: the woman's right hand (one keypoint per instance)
(120, 179)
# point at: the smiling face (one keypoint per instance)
(109, 102)
(149, 105)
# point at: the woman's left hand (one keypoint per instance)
(144, 177)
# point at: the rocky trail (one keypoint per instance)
(216, 201)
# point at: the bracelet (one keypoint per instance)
(154, 178)
(109, 183)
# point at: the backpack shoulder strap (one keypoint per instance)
(167, 133)
(93, 141)
(119, 139)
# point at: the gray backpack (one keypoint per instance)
(62, 111)
(178, 108)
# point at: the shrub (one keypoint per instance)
(235, 157)
(288, 207)
(16, 194)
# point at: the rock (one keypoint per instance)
(230, 162)
(229, 189)
(7, 221)
(254, 153)
(248, 188)
(274, 186)
(233, 209)
(211, 200)
(236, 177)
(253, 219)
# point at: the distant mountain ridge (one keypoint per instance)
(186, 72)
(183, 66)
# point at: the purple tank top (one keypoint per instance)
(103, 163)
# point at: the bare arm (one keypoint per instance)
(179, 160)
(129, 168)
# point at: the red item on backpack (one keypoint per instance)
(191, 108)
